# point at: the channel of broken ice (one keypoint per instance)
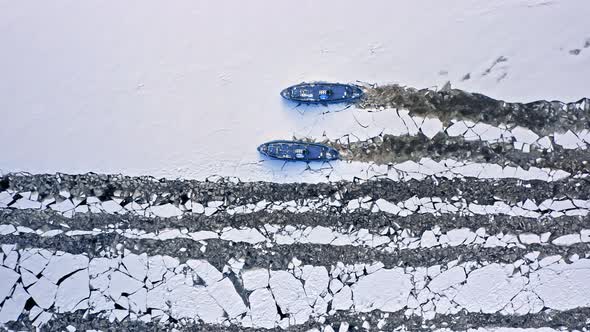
(345, 327)
(504, 329)
(156, 288)
(69, 206)
(361, 125)
(387, 239)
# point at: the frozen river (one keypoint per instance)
(189, 90)
(473, 217)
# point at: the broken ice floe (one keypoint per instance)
(387, 239)
(156, 288)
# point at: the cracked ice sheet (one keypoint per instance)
(279, 171)
(522, 138)
(387, 239)
(362, 125)
(321, 172)
(526, 286)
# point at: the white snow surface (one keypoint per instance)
(152, 89)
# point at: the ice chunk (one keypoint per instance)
(11, 260)
(170, 262)
(8, 278)
(335, 285)
(431, 126)
(111, 206)
(459, 236)
(43, 292)
(457, 129)
(165, 211)
(136, 265)
(563, 287)
(528, 238)
(205, 271)
(428, 239)
(568, 140)
(194, 303)
(320, 235)
(138, 301)
(386, 290)
(524, 135)
(343, 299)
(122, 283)
(226, 296)
(449, 278)
(60, 266)
(490, 279)
(255, 279)
(290, 296)
(263, 309)
(7, 229)
(13, 306)
(98, 266)
(43, 318)
(34, 263)
(248, 235)
(27, 277)
(316, 282)
(72, 291)
(99, 302)
(203, 235)
(156, 268)
(156, 298)
(567, 240)
(343, 327)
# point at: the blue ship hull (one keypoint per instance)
(298, 151)
(322, 93)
